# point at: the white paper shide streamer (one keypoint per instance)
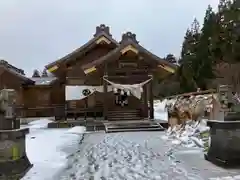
(135, 89)
(76, 92)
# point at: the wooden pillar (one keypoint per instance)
(151, 99)
(145, 101)
(21, 104)
(105, 105)
(86, 108)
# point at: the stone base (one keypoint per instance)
(232, 116)
(14, 169)
(230, 163)
(14, 162)
(224, 148)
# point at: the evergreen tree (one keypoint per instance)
(171, 58)
(235, 25)
(204, 61)
(36, 73)
(185, 71)
(218, 42)
(44, 73)
(221, 44)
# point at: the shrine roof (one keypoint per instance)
(14, 70)
(102, 31)
(129, 39)
(43, 80)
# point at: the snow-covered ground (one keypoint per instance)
(160, 112)
(48, 149)
(138, 156)
(57, 154)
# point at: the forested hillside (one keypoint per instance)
(211, 54)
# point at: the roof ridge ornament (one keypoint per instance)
(102, 29)
(129, 37)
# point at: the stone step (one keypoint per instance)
(135, 126)
(133, 129)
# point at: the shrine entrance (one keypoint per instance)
(129, 99)
(121, 97)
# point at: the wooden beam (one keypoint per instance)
(53, 68)
(90, 70)
(167, 68)
(145, 101)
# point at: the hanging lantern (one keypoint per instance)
(122, 92)
(128, 93)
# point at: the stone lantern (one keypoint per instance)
(14, 162)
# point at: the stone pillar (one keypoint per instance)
(225, 92)
(13, 159)
(229, 108)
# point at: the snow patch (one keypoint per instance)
(193, 134)
(77, 130)
(160, 111)
(37, 124)
(48, 149)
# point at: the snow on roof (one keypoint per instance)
(43, 80)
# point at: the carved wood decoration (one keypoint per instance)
(92, 69)
(103, 40)
(54, 68)
(129, 48)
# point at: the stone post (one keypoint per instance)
(225, 92)
(14, 162)
(228, 107)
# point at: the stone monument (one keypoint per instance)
(229, 105)
(224, 146)
(14, 162)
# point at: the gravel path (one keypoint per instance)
(138, 155)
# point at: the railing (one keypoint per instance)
(55, 110)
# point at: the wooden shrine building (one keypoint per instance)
(103, 78)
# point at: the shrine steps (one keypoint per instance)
(131, 126)
(123, 115)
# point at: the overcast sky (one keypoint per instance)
(36, 32)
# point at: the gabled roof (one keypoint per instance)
(129, 42)
(44, 80)
(102, 34)
(15, 71)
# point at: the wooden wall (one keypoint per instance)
(11, 81)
